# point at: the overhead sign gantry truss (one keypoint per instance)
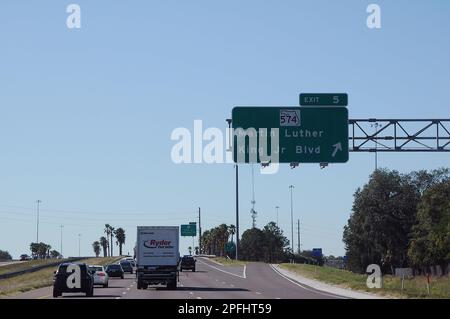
(399, 135)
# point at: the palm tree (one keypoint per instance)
(232, 230)
(120, 237)
(107, 231)
(112, 229)
(104, 244)
(96, 246)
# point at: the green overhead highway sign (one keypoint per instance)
(290, 134)
(189, 230)
(323, 99)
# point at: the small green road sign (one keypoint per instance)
(189, 230)
(290, 134)
(323, 99)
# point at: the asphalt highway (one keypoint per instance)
(210, 281)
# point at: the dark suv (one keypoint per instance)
(115, 270)
(187, 262)
(126, 266)
(62, 282)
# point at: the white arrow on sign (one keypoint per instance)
(337, 147)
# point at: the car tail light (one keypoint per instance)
(101, 273)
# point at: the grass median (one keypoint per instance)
(392, 286)
(41, 278)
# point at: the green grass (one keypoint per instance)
(413, 288)
(40, 278)
(229, 262)
(26, 265)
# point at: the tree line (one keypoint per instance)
(105, 243)
(267, 244)
(400, 220)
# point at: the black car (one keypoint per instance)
(187, 262)
(126, 266)
(65, 279)
(115, 270)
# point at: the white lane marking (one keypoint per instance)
(305, 287)
(232, 285)
(199, 297)
(128, 288)
(124, 293)
(224, 271)
(245, 269)
(117, 298)
(191, 293)
(258, 293)
(277, 298)
(224, 283)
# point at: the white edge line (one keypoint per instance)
(304, 287)
(245, 269)
(224, 271)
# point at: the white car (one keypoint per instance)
(100, 275)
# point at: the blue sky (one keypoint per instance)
(86, 115)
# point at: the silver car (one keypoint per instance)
(100, 275)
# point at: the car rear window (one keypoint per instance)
(96, 268)
(113, 267)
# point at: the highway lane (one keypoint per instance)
(210, 281)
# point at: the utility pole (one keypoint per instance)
(37, 221)
(298, 230)
(199, 232)
(252, 211)
(237, 192)
(291, 187)
(61, 239)
(277, 208)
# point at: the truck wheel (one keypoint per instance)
(145, 286)
(181, 269)
(193, 269)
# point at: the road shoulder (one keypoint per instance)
(321, 286)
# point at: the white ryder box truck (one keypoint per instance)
(157, 256)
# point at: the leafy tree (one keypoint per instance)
(251, 245)
(120, 237)
(97, 247)
(274, 243)
(430, 244)
(4, 255)
(104, 243)
(383, 214)
(40, 250)
(55, 254)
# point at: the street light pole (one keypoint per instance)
(37, 221)
(291, 187)
(237, 211)
(229, 121)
